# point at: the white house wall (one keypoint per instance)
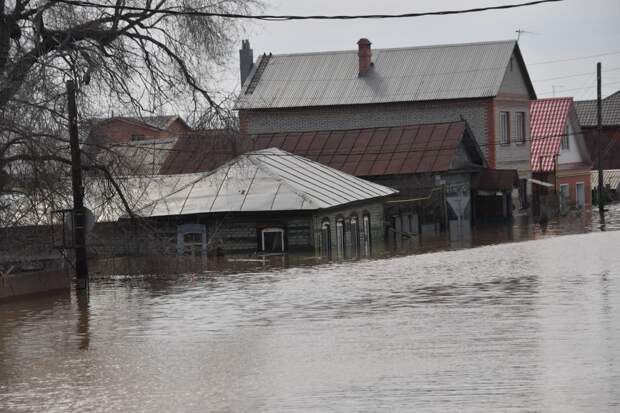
(577, 150)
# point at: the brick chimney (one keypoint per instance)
(365, 55)
(246, 60)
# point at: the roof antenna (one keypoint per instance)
(521, 31)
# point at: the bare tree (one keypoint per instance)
(131, 56)
(127, 54)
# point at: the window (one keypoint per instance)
(355, 236)
(192, 240)
(566, 138)
(366, 227)
(138, 137)
(340, 237)
(272, 240)
(504, 128)
(519, 125)
(326, 239)
(580, 194)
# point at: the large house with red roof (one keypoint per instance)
(560, 158)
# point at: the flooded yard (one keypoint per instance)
(528, 326)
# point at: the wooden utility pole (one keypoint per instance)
(79, 216)
(599, 128)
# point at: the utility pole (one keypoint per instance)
(79, 216)
(601, 201)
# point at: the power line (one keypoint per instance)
(570, 59)
(578, 88)
(272, 17)
(574, 75)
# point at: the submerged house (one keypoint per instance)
(560, 158)
(440, 161)
(439, 169)
(268, 201)
(486, 84)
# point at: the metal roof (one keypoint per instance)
(610, 111)
(395, 150)
(611, 177)
(455, 71)
(266, 180)
(201, 151)
(548, 119)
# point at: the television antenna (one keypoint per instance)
(521, 31)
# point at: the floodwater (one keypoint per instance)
(528, 326)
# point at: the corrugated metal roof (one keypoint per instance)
(610, 111)
(548, 119)
(407, 149)
(397, 150)
(611, 177)
(267, 180)
(456, 71)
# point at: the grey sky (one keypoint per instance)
(569, 29)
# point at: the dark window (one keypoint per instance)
(519, 124)
(504, 128)
(272, 239)
(566, 138)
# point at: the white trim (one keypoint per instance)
(275, 230)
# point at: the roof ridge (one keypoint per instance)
(387, 49)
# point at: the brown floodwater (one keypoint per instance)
(527, 326)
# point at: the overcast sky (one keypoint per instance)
(565, 30)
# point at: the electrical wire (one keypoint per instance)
(273, 17)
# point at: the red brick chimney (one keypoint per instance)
(364, 54)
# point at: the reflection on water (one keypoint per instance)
(531, 326)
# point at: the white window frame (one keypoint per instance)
(504, 128)
(340, 237)
(366, 231)
(275, 230)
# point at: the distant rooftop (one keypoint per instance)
(610, 111)
(158, 122)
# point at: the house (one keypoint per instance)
(120, 130)
(610, 120)
(486, 84)
(269, 201)
(132, 145)
(560, 158)
(439, 169)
